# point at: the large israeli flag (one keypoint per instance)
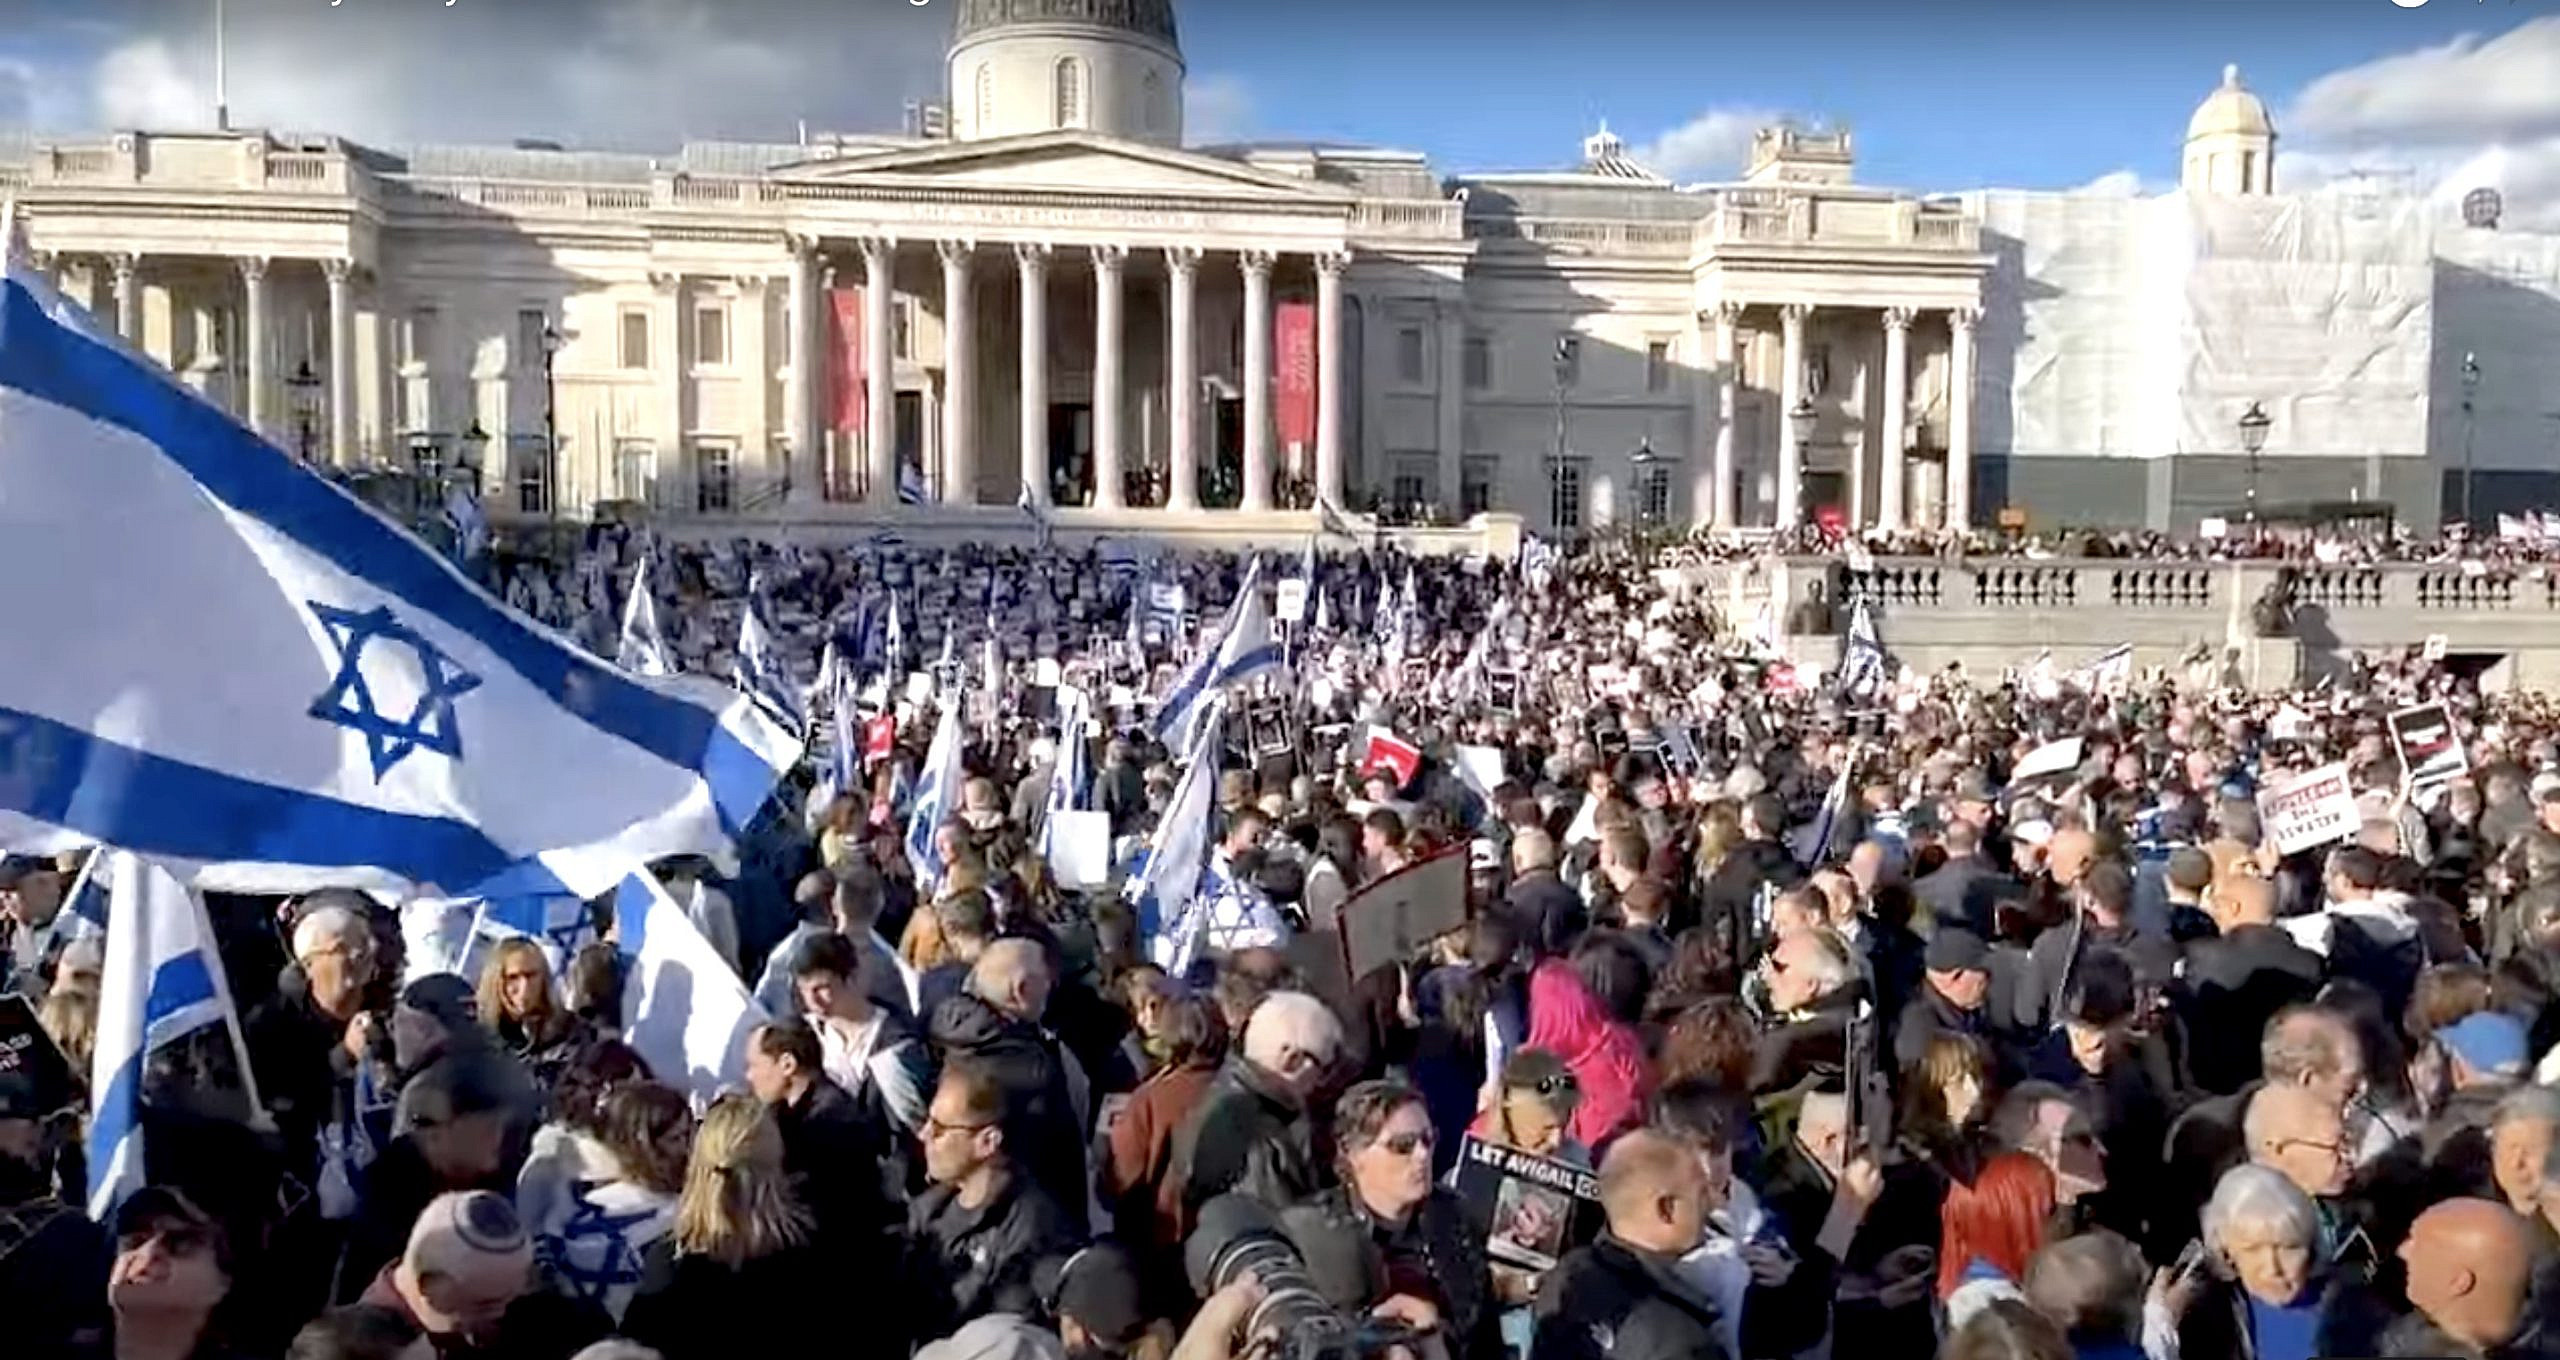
(937, 793)
(1238, 649)
(162, 980)
(643, 647)
(281, 689)
(758, 669)
(683, 1007)
(1072, 770)
(1178, 854)
(1862, 664)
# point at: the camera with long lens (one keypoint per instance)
(1317, 1273)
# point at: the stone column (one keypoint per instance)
(880, 372)
(1257, 379)
(1960, 417)
(342, 361)
(959, 374)
(1329, 267)
(1450, 430)
(1702, 420)
(1791, 319)
(803, 477)
(677, 484)
(1032, 260)
(254, 338)
(1728, 362)
(1108, 338)
(1182, 399)
(1897, 406)
(128, 297)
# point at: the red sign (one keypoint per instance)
(1293, 372)
(1392, 754)
(879, 738)
(844, 350)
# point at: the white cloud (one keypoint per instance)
(2442, 120)
(1713, 145)
(1216, 108)
(2114, 184)
(139, 85)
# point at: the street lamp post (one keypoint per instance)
(1555, 463)
(2470, 391)
(305, 387)
(2253, 441)
(1800, 420)
(1644, 460)
(552, 343)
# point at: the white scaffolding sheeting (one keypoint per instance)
(2061, 313)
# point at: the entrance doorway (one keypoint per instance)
(1070, 452)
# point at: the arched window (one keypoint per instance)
(986, 100)
(1151, 105)
(1070, 92)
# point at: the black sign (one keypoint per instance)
(1532, 1209)
(2430, 750)
(27, 1051)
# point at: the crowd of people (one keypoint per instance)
(1857, 1040)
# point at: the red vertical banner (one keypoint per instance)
(847, 375)
(1293, 373)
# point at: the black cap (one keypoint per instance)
(1956, 950)
(159, 1211)
(1099, 1289)
(444, 996)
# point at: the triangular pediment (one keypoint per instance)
(1074, 162)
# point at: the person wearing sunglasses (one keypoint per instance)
(1533, 1107)
(172, 1269)
(1436, 1273)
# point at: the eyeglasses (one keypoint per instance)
(935, 1128)
(1551, 1085)
(1407, 1144)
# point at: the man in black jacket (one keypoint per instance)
(832, 1147)
(1624, 1297)
(997, 1022)
(53, 1260)
(1731, 903)
(981, 1235)
(2236, 981)
(1950, 996)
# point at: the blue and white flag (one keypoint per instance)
(1072, 770)
(894, 639)
(1811, 843)
(1330, 520)
(937, 793)
(453, 935)
(1038, 514)
(290, 691)
(1238, 649)
(643, 649)
(1862, 665)
(470, 527)
(684, 1008)
(758, 669)
(910, 484)
(1178, 854)
(161, 981)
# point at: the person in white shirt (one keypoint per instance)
(870, 1051)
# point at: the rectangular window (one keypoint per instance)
(532, 467)
(418, 337)
(635, 337)
(1408, 489)
(635, 471)
(1657, 366)
(1568, 361)
(531, 323)
(1654, 494)
(1564, 504)
(711, 335)
(1475, 487)
(1409, 354)
(1479, 363)
(715, 477)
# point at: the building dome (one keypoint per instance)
(1152, 19)
(2231, 110)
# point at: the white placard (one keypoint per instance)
(2054, 757)
(1044, 672)
(1080, 849)
(2310, 809)
(1289, 605)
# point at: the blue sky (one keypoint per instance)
(1943, 95)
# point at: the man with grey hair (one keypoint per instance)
(1539, 899)
(1252, 1132)
(996, 1020)
(1812, 985)
(2521, 1148)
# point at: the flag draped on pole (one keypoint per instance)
(1072, 770)
(643, 649)
(758, 670)
(937, 792)
(162, 980)
(1032, 510)
(288, 690)
(1862, 668)
(1178, 853)
(1238, 649)
(684, 1009)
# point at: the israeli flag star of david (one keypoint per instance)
(273, 687)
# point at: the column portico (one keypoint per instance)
(1329, 267)
(959, 374)
(1897, 401)
(1728, 366)
(1257, 379)
(1182, 377)
(1791, 319)
(1031, 260)
(1108, 267)
(342, 362)
(127, 269)
(800, 386)
(1960, 324)
(880, 372)
(254, 337)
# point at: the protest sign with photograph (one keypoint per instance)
(1391, 917)
(2312, 808)
(2430, 750)
(1532, 1209)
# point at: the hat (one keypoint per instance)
(445, 996)
(2491, 1042)
(1953, 950)
(1098, 1287)
(159, 1211)
(2034, 833)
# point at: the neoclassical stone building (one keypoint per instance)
(1040, 288)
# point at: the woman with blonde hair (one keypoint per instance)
(741, 1245)
(522, 1009)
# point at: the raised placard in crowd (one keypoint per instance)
(27, 1051)
(2430, 749)
(1532, 1209)
(2312, 808)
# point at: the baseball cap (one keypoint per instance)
(2487, 1041)
(1098, 1287)
(159, 1211)
(1952, 950)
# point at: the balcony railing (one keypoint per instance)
(1778, 217)
(1426, 219)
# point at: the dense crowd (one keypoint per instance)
(1847, 1038)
